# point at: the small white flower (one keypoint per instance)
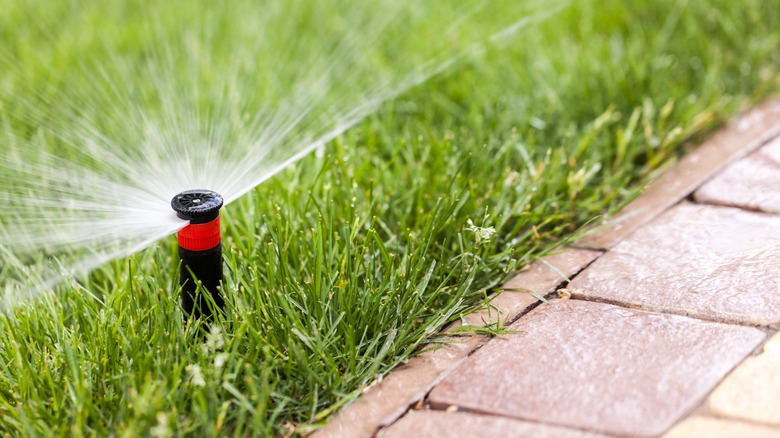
(161, 430)
(196, 376)
(220, 360)
(483, 234)
(214, 340)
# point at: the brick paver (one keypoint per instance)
(752, 183)
(598, 367)
(704, 427)
(440, 424)
(752, 391)
(711, 262)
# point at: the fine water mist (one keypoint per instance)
(170, 96)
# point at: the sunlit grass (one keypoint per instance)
(339, 267)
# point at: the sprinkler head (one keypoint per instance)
(200, 250)
(197, 206)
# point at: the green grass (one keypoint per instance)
(340, 267)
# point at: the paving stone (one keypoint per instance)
(752, 183)
(752, 391)
(438, 424)
(710, 262)
(704, 427)
(598, 367)
(739, 138)
(384, 402)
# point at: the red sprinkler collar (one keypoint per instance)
(200, 237)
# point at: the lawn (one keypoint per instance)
(343, 265)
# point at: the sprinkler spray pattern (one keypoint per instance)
(217, 96)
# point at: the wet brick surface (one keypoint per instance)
(439, 424)
(711, 262)
(598, 367)
(752, 183)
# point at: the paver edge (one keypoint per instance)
(764, 118)
(748, 131)
(341, 426)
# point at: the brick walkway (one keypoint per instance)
(665, 323)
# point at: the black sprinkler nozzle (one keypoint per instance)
(200, 250)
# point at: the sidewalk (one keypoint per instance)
(664, 323)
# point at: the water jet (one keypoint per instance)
(200, 250)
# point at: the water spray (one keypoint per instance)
(200, 250)
(183, 128)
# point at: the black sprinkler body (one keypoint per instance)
(200, 250)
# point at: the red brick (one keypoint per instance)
(710, 262)
(752, 183)
(598, 367)
(439, 424)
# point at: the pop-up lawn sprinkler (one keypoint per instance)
(200, 249)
